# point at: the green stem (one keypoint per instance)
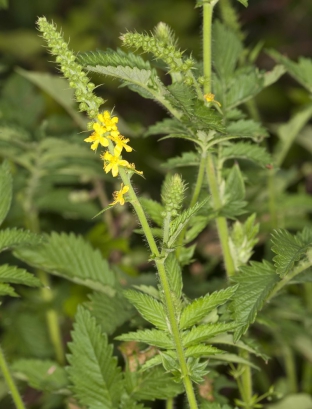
(207, 22)
(159, 261)
(10, 382)
(221, 221)
(246, 382)
(169, 403)
(196, 192)
(290, 368)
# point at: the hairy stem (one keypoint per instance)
(159, 261)
(307, 366)
(246, 382)
(221, 221)
(19, 404)
(207, 23)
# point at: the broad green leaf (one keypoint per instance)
(174, 274)
(73, 258)
(181, 221)
(300, 71)
(15, 275)
(6, 289)
(113, 58)
(150, 309)
(206, 331)
(232, 358)
(255, 284)
(43, 375)
(199, 308)
(182, 97)
(153, 337)
(186, 159)
(58, 89)
(246, 84)
(5, 189)
(270, 77)
(289, 249)
(243, 150)
(247, 128)
(167, 126)
(93, 371)
(153, 209)
(138, 79)
(151, 385)
(226, 50)
(13, 238)
(201, 351)
(206, 118)
(110, 310)
(233, 198)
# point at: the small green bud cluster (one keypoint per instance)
(71, 69)
(172, 194)
(161, 50)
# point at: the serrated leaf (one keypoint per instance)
(186, 159)
(206, 331)
(255, 285)
(289, 249)
(182, 97)
(246, 84)
(73, 258)
(232, 358)
(42, 375)
(153, 209)
(226, 50)
(5, 189)
(251, 347)
(91, 355)
(206, 118)
(6, 289)
(110, 310)
(150, 309)
(166, 126)
(113, 58)
(153, 337)
(174, 274)
(300, 71)
(199, 308)
(133, 76)
(15, 275)
(201, 351)
(247, 128)
(13, 238)
(180, 222)
(242, 150)
(243, 2)
(233, 199)
(151, 385)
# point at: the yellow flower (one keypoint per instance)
(210, 98)
(121, 143)
(97, 137)
(118, 195)
(107, 121)
(111, 162)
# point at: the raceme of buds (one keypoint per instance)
(172, 194)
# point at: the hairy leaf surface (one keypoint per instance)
(93, 371)
(153, 337)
